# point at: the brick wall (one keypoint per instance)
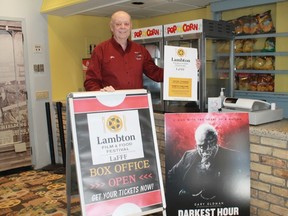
(269, 166)
(269, 175)
(159, 126)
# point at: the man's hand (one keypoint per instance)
(198, 64)
(107, 89)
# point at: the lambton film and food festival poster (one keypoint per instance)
(207, 164)
(117, 160)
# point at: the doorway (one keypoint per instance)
(15, 151)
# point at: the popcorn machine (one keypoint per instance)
(208, 36)
(152, 38)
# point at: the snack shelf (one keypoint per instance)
(262, 71)
(257, 57)
(275, 94)
(261, 54)
(252, 36)
(259, 81)
(253, 75)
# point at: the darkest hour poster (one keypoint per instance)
(207, 164)
(118, 162)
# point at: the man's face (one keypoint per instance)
(206, 145)
(121, 26)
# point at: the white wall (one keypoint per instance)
(35, 31)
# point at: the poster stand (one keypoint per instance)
(207, 161)
(68, 159)
(112, 150)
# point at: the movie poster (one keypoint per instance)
(117, 161)
(207, 164)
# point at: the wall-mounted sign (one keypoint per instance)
(182, 28)
(148, 32)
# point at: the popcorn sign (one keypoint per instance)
(187, 27)
(149, 32)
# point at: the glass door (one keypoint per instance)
(154, 48)
(218, 67)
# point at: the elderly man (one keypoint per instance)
(208, 172)
(120, 63)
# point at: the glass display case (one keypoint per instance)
(152, 39)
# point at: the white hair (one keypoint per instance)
(204, 130)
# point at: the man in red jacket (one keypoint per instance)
(119, 63)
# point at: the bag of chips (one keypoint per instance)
(265, 22)
(269, 45)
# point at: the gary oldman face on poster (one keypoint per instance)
(207, 164)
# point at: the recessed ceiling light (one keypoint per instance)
(138, 3)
